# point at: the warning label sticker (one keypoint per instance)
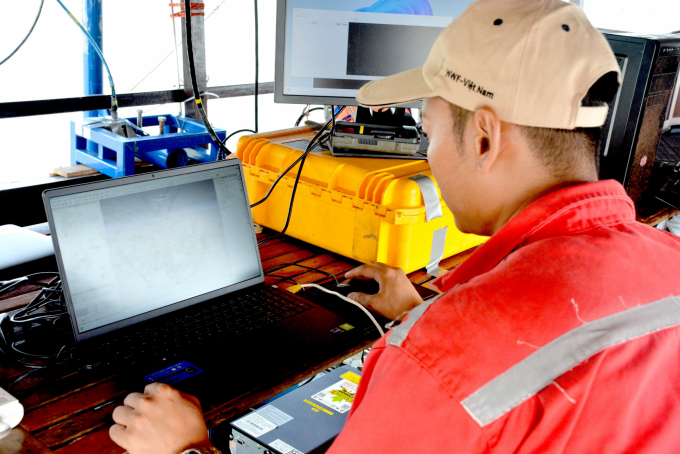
(284, 448)
(262, 421)
(339, 396)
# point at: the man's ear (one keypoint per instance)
(487, 138)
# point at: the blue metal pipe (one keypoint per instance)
(93, 76)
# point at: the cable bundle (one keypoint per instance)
(43, 312)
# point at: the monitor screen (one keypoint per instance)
(135, 248)
(328, 49)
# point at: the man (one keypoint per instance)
(562, 332)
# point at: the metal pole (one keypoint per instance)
(93, 77)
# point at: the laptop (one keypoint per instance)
(162, 279)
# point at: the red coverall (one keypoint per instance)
(559, 335)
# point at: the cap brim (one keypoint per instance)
(398, 89)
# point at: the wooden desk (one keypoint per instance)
(69, 412)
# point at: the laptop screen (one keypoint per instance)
(134, 248)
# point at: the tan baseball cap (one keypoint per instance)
(531, 61)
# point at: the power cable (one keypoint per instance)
(318, 139)
(114, 100)
(264, 199)
(306, 112)
(224, 151)
(310, 147)
(236, 132)
(50, 298)
(27, 35)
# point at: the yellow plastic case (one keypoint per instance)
(365, 209)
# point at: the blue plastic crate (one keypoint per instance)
(115, 154)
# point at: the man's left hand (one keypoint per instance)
(160, 421)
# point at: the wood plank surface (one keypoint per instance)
(46, 387)
(97, 442)
(10, 371)
(21, 441)
(79, 426)
(76, 403)
(64, 411)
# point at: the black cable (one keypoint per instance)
(292, 196)
(306, 112)
(36, 367)
(26, 37)
(21, 377)
(30, 279)
(283, 174)
(333, 114)
(224, 151)
(290, 206)
(313, 144)
(310, 148)
(44, 298)
(51, 294)
(257, 65)
(236, 132)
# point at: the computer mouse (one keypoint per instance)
(370, 287)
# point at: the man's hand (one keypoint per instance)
(397, 295)
(160, 421)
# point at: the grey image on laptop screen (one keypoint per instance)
(134, 248)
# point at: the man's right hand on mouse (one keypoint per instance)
(397, 295)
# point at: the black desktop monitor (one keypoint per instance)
(645, 102)
(327, 49)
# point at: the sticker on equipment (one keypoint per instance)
(339, 396)
(284, 448)
(262, 421)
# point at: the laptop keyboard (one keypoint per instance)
(213, 323)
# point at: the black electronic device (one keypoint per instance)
(369, 140)
(631, 135)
